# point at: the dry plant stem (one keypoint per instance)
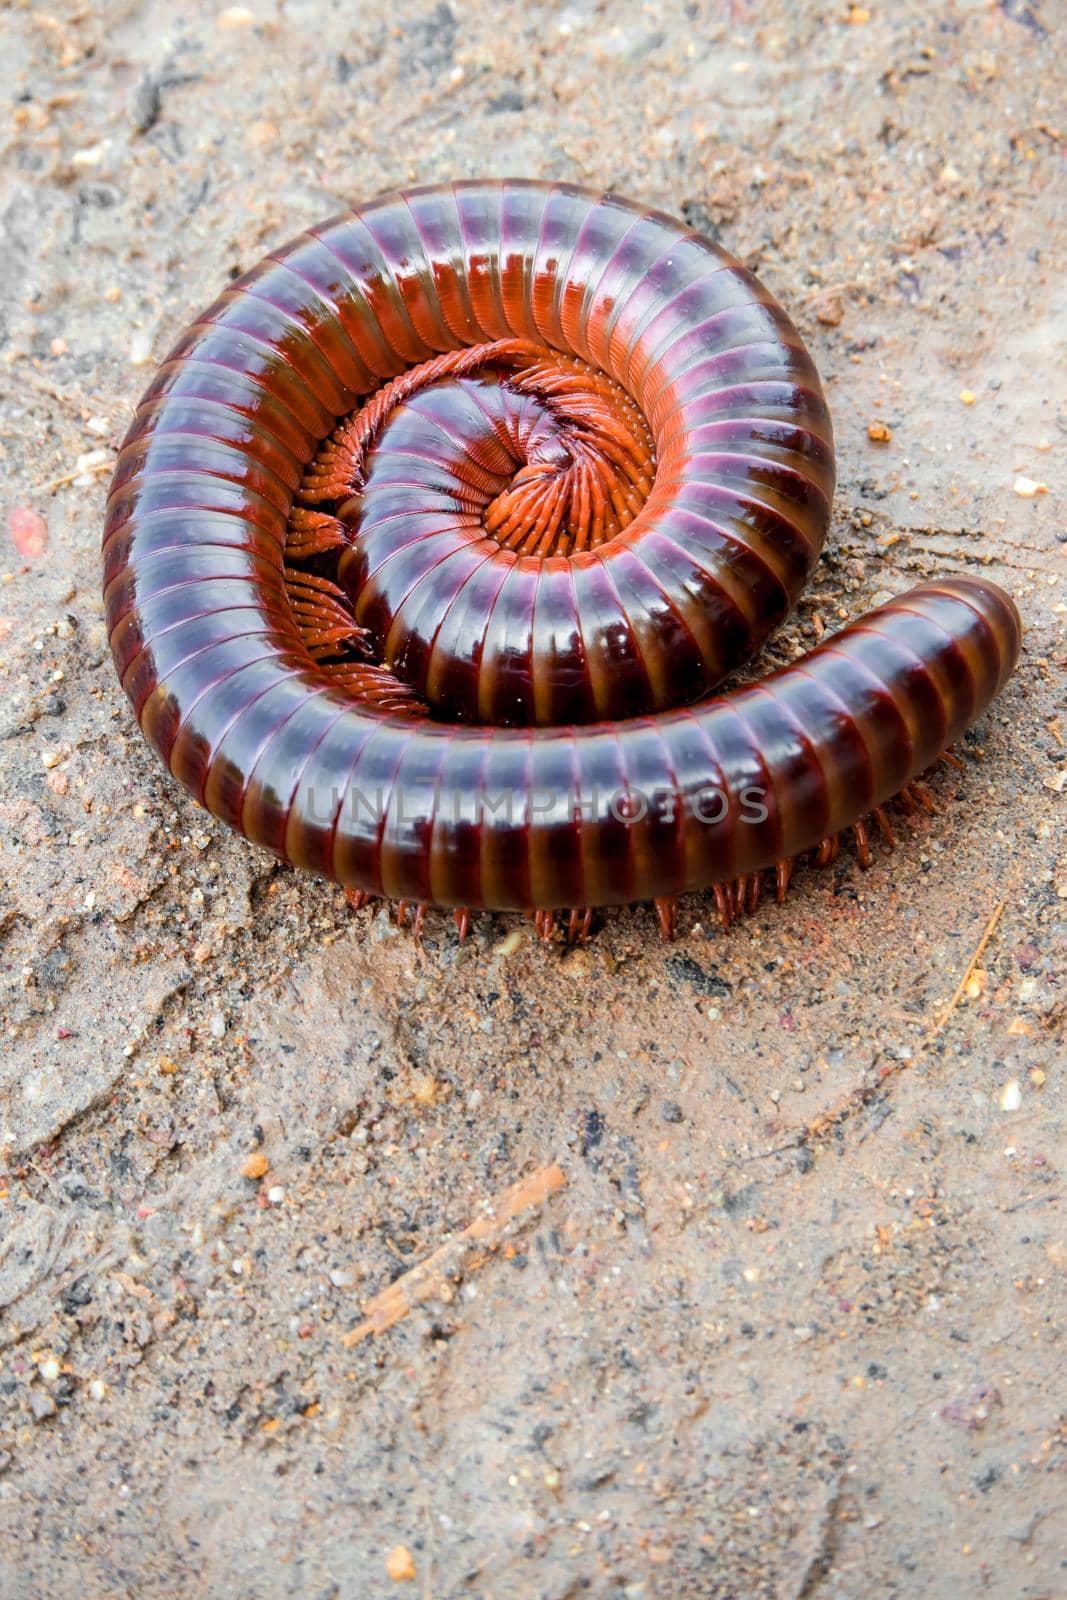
(433, 1279)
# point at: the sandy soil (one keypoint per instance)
(792, 1324)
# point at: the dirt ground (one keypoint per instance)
(788, 1321)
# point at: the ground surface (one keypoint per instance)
(793, 1324)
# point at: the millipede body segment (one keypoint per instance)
(432, 536)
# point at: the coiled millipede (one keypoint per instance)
(453, 644)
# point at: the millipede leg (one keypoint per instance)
(783, 871)
(357, 898)
(907, 802)
(884, 826)
(420, 920)
(951, 759)
(667, 912)
(863, 843)
(925, 799)
(725, 903)
(462, 918)
(827, 850)
(312, 533)
(581, 920)
(544, 925)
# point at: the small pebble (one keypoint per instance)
(1011, 1096)
(261, 134)
(29, 532)
(256, 1165)
(400, 1564)
(41, 1405)
(1028, 488)
(342, 1278)
(91, 156)
(968, 397)
(275, 1194)
(87, 465)
(879, 432)
(140, 348)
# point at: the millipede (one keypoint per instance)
(432, 537)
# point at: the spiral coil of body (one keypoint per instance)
(431, 537)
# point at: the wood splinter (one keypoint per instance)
(435, 1277)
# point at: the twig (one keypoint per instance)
(990, 929)
(99, 466)
(432, 1279)
(825, 290)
